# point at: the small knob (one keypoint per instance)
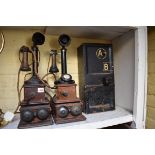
(107, 81)
(65, 94)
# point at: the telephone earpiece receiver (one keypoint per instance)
(24, 63)
(53, 68)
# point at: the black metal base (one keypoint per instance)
(60, 81)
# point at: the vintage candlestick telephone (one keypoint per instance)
(66, 107)
(35, 108)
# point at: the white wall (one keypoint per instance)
(124, 63)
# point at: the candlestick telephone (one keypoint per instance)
(38, 107)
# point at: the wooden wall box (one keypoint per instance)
(69, 116)
(34, 116)
(66, 93)
(35, 108)
(66, 108)
(34, 93)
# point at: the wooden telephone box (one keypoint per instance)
(66, 106)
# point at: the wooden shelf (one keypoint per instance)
(89, 32)
(94, 121)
